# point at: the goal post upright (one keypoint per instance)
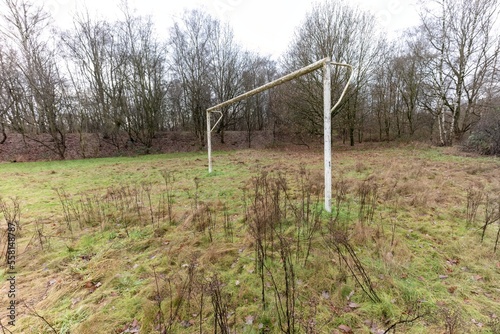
(327, 122)
(324, 63)
(209, 143)
(327, 133)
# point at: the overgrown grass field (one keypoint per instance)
(155, 244)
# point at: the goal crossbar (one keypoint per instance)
(325, 63)
(283, 79)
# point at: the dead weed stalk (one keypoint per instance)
(474, 199)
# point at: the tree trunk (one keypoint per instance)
(4, 134)
(249, 137)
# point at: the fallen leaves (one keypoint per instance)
(92, 286)
(345, 329)
(477, 278)
(353, 305)
(477, 323)
(249, 320)
(133, 327)
(87, 257)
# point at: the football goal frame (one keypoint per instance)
(324, 63)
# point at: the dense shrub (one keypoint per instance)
(485, 138)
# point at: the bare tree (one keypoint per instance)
(460, 54)
(409, 70)
(176, 117)
(118, 72)
(226, 69)
(144, 78)
(384, 95)
(190, 40)
(94, 63)
(36, 87)
(5, 102)
(345, 33)
(396, 90)
(257, 109)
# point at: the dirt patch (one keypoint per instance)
(19, 149)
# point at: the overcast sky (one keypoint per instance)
(265, 26)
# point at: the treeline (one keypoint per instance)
(125, 81)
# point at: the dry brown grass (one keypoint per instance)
(418, 225)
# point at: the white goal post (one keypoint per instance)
(327, 110)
